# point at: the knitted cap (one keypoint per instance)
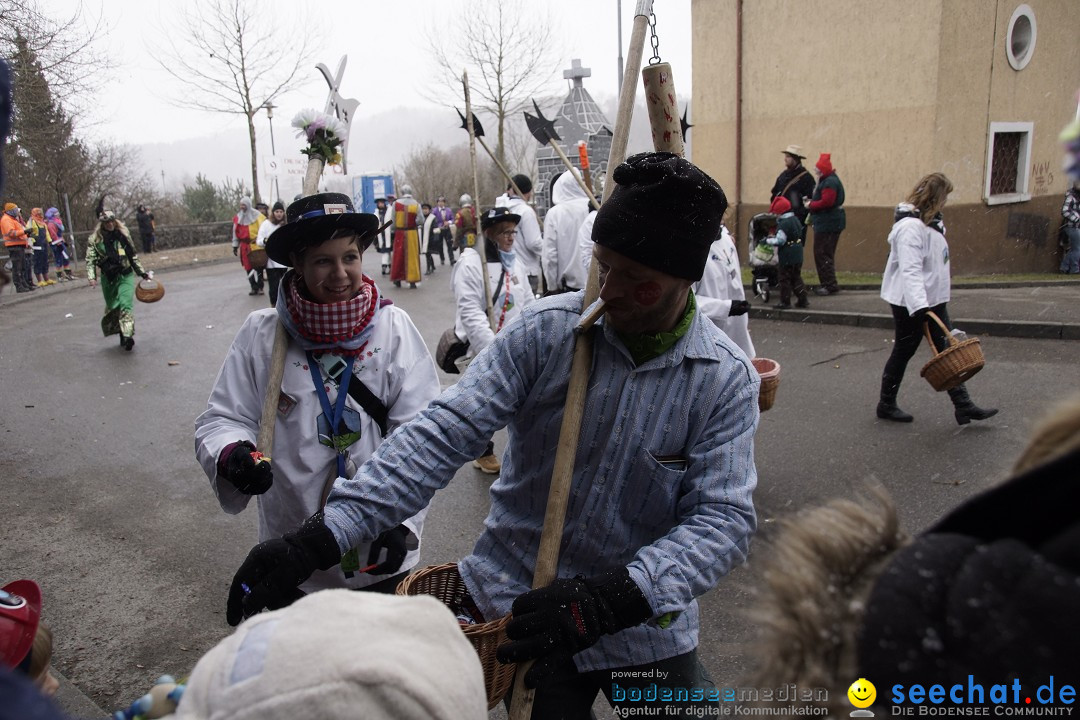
(8, 207)
(824, 163)
(780, 205)
(664, 213)
(339, 654)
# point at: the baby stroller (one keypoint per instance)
(763, 257)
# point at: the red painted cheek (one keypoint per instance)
(647, 293)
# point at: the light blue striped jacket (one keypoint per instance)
(662, 482)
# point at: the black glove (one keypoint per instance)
(920, 315)
(273, 569)
(394, 542)
(238, 467)
(236, 249)
(555, 622)
(146, 276)
(739, 307)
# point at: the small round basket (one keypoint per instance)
(149, 291)
(955, 364)
(769, 370)
(257, 257)
(445, 584)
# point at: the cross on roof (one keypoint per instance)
(576, 72)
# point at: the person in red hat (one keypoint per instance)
(790, 243)
(25, 641)
(829, 220)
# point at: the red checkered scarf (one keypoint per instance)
(336, 326)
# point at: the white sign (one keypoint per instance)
(272, 166)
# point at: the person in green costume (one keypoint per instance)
(111, 259)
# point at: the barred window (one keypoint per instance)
(1008, 163)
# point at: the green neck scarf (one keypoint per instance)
(645, 347)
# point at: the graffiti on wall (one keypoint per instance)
(1042, 175)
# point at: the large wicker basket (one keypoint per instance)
(769, 370)
(149, 291)
(445, 584)
(953, 365)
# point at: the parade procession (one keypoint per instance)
(500, 384)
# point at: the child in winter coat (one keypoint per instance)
(59, 247)
(789, 240)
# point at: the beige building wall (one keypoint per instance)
(892, 90)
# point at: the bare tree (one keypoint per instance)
(434, 171)
(511, 53)
(64, 50)
(234, 59)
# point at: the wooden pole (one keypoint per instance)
(570, 168)
(480, 247)
(547, 558)
(663, 109)
(502, 169)
(265, 441)
(583, 160)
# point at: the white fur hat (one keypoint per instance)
(341, 654)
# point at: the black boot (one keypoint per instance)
(886, 407)
(966, 410)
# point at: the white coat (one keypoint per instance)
(471, 322)
(528, 243)
(425, 232)
(917, 271)
(585, 243)
(265, 229)
(719, 285)
(396, 367)
(562, 267)
(388, 233)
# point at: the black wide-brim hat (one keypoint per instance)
(313, 219)
(498, 215)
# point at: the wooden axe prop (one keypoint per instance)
(547, 558)
(478, 134)
(544, 131)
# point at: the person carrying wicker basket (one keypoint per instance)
(111, 259)
(660, 504)
(917, 282)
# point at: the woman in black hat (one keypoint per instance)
(356, 367)
(508, 285)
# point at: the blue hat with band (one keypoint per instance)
(313, 219)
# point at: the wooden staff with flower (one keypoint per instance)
(324, 133)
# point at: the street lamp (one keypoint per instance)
(269, 107)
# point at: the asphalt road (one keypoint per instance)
(104, 504)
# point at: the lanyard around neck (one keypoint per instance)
(335, 414)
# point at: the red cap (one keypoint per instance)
(824, 163)
(20, 611)
(780, 205)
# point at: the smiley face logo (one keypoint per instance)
(862, 693)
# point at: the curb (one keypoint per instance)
(73, 701)
(9, 297)
(973, 326)
(1004, 284)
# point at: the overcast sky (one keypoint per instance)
(383, 45)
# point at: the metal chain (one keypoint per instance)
(655, 40)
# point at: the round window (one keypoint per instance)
(1020, 41)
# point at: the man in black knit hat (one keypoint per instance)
(660, 504)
